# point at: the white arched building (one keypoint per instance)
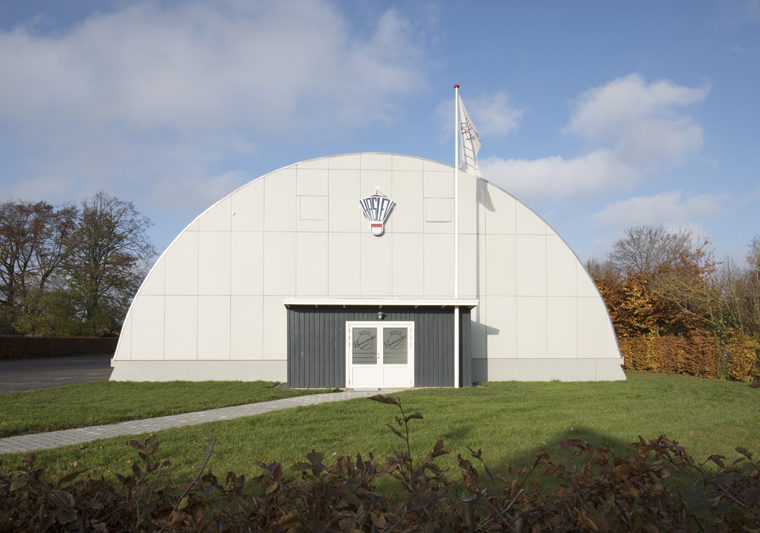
(284, 280)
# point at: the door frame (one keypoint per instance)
(409, 324)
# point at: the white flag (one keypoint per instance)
(470, 142)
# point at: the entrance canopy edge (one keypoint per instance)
(382, 302)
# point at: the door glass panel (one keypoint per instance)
(364, 346)
(395, 346)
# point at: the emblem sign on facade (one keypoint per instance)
(376, 209)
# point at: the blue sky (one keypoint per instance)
(598, 115)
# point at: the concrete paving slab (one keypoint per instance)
(54, 439)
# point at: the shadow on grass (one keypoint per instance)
(457, 434)
(559, 454)
(508, 468)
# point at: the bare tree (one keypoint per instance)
(644, 249)
(598, 268)
(104, 268)
(752, 285)
(753, 256)
(741, 291)
(34, 242)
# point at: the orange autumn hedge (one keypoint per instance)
(699, 353)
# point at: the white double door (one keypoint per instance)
(379, 354)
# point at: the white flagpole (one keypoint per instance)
(457, 128)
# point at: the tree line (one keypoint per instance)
(677, 309)
(70, 270)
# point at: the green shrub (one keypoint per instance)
(657, 485)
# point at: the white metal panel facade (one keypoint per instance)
(212, 306)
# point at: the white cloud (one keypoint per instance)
(142, 88)
(200, 66)
(670, 209)
(198, 192)
(634, 130)
(493, 114)
(606, 111)
(650, 143)
(51, 185)
(556, 177)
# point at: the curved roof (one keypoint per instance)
(216, 293)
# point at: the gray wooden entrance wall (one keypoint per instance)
(317, 343)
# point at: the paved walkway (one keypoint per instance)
(53, 439)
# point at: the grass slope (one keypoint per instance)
(106, 402)
(509, 421)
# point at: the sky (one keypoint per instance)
(598, 115)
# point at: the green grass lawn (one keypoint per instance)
(509, 421)
(106, 402)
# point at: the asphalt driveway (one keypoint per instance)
(26, 374)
